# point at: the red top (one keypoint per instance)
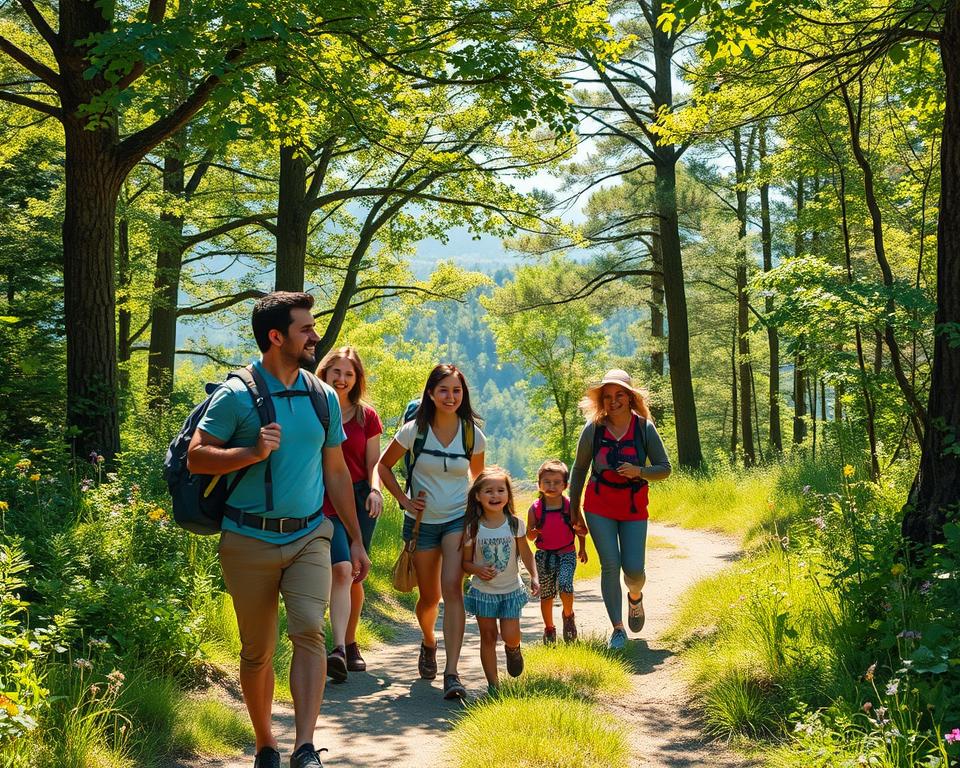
(355, 449)
(614, 503)
(555, 535)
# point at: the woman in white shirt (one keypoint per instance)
(446, 449)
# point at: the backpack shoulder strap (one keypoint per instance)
(318, 398)
(259, 392)
(262, 402)
(640, 437)
(539, 512)
(469, 435)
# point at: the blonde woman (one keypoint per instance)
(622, 452)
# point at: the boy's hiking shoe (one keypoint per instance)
(427, 663)
(569, 628)
(514, 660)
(355, 662)
(549, 635)
(306, 757)
(635, 616)
(618, 640)
(267, 757)
(452, 687)
(337, 665)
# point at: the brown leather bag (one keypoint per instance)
(404, 574)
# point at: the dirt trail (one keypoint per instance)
(388, 716)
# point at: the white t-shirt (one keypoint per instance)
(445, 478)
(498, 547)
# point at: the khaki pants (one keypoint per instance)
(257, 573)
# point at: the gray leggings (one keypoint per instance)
(622, 545)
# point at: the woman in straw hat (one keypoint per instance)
(621, 450)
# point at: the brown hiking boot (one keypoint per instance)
(569, 628)
(635, 615)
(514, 660)
(427, 663)
(355, 662)
(549, 635)
(337, 665)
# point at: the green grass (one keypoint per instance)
(538, 733)
(736, 502)
(209, 727)
(583, 670)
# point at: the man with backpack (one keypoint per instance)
(276, 539)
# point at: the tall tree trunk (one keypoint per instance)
(742, 164)
(166, 283)
(689, 452)
(656, 307)
(92, 184)
(734, 407)
(123, 308)
(935, 495)
(773, 338)
(799, 374)
(293, 220)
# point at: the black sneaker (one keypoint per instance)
(569, 628)
(337, 665)
(427, 663)
(635, 615)
(306, 757)
(514, 660)
(267, 757)
(453, 688)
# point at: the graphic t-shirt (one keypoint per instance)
(444, 478)
(498, 547)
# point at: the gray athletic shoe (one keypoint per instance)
(635, 615)
(306, 757)
(618, 640)
(267, 757)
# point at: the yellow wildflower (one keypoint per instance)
(157, 514)
(34, 478)
(898, 569)
(12, 709)
(23, 465)
(848, 470)
(4, 506)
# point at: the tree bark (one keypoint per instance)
(293, 220)
(935, 495)
(124, 316)
(166, 284)
(773, 338)
(742, 165)
(799, 374)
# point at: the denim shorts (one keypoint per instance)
(431, 534)
(340, 543)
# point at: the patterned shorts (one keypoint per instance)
(556, 572)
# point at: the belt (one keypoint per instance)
(273, 524)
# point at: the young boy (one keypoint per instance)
(550, 527)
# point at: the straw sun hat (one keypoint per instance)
(620, 378)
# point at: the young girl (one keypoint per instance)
(493, 541)
(550, 526)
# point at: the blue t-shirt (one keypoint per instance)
(297, 465)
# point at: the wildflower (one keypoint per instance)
(157, 514)
(881, 712)
(952, 737)
(820, 523)
(886, 605)
(848, 470)
(23, 465)
(115, 680)
(93, 457)
(898, 569)
(868, 675)
(924, 588)
(893, 687)
(4, 506)
(100, 459)
(867, 706)
(12, 709)
(86, 485)
(909, 634)
(98, 643)
(805, 490)
(34, 478)
(94, 691)
(83, 664)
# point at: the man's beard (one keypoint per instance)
(308, 358)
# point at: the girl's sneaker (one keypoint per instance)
(514, 660)
(618, 640)
(549, 635)
(635, 615)
(453, 688)
(569, 628)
